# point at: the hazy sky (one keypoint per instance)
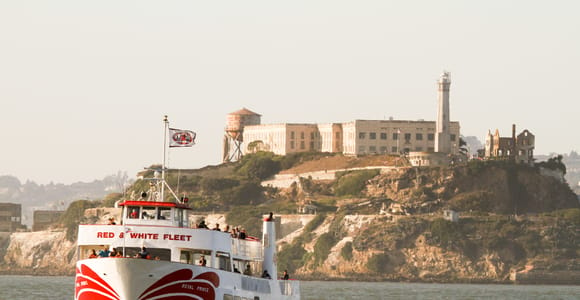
(84, 85)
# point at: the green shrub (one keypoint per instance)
(353, 183)
(291, 257)
(245, 193)
(314, 223)
(247, 216)
(211, 185)
(378, 263)
(445, 232)
(322, 247)
(346, 251)
(258, 166)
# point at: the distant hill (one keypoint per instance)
(57, 196)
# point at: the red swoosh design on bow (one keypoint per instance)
(90, 286)
(182, 285)
(179, 285)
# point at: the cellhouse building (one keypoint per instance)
(358, 137)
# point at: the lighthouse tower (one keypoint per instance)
(442, 136)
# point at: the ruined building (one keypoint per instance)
(518, 148)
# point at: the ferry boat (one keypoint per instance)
(159, 255)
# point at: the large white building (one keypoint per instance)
(358, 137)
(361, 137)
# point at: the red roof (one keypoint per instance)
(244, 111)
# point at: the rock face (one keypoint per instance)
(406, 239)
(39, 253)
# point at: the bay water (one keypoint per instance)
(61, 288)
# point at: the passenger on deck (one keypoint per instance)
(202, 224)
(111, 221)
(144, 253)
(266, 275)
(285, 276)
(104, 252)
(93, 254)
(242, 234)
(202, 261)
(217, 227)
(133, 214)
(270, 217)
(236, 270)
(113, 253)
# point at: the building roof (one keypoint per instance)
(244, 111)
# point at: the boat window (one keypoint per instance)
(85, 251)
(237, 298)
(228, 297)
(133, 212)
(178, 215)
(194, 256)
(164, 213)
(184, 219)
(239, 265)
(223, 261)
(186, 257)
(148, 213)
(154, 253)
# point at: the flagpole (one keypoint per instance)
(166, 122)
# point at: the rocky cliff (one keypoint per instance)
(510, 218)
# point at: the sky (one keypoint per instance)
(84, 85)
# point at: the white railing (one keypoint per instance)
(289, 287)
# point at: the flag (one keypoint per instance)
(181, 138)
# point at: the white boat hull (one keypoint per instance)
(144, 279)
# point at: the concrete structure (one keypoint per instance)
(443, 133)
(44, 218)
(358, 137)
(519, 148)
(427, 159)
(450, 215)
(10, 217)
(233, 138)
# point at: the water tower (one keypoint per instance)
(233, 137)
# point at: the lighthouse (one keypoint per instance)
(442, 136)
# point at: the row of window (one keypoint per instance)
(302, 145)
(383, 149)
(313, 135)
(407, 136)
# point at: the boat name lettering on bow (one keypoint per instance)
(177, 237)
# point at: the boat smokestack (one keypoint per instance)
(269, 245)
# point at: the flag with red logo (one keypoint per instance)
(181, 138)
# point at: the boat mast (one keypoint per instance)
(165, 132)
(165, 150)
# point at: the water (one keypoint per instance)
(58, 288)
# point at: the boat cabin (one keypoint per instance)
(163, 229)
(155, 213)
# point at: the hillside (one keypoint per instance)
(371, 224)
